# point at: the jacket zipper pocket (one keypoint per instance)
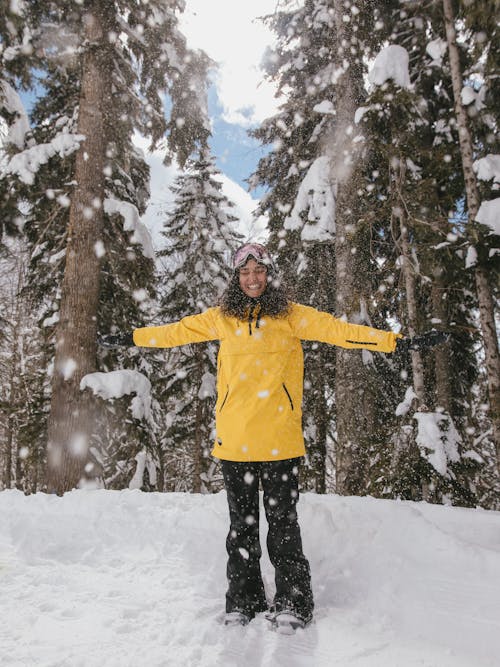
(225, 399)
(287, 393)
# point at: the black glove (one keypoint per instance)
(423, 342)
(116, 340)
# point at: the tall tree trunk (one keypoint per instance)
(484, 292)
(317, 423)
(441, 353)
(417, 365)
(13, 397)
(409, 273)
(319, 362)
(199, 426)
(354, 429)
(70, 420)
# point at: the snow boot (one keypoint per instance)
(286, 621)
(233, 618)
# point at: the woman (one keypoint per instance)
(259, 423)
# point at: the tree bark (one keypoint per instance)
(441, 353)
(409, 271)
(70, 420)
(483, 289)
(355, 430)
(13, 396)
(317, 422)
(317, 288)
(199, 426)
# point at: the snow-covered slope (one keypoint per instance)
(117, 579)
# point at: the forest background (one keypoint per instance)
(378, 183)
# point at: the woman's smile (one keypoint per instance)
(253, 278)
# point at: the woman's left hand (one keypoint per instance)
(423, 341)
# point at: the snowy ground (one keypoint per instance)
(118, 579)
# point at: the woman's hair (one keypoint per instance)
(274, 301)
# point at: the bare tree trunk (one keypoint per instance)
(198, 426)
(14, 398)
(411, 306)
(70, 424)
(484, 293)
(7, 471)
(409, 270)
(441, 353)
(13, 405)
(319, 364)
(354, 429)
(314, 474)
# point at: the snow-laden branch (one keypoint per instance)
(27, 163)
(116, 384)
(316, 196)
(131, 223)
(488, 168)
(11, 102)
(438, 440)
(391, 63)
(489, 215)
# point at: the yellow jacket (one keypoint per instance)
(260, 373)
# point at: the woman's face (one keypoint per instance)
(253, 278)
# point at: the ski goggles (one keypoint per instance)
(255, 250)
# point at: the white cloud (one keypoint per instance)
(231, 34)
(161, 197)
(252, 228)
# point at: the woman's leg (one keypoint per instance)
(293, 579)
(245, 586)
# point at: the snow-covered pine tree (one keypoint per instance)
(416, 185)
(483, 212)
(22, 442)
(199, 241)
(315, 205)
(16, 62)
(127, 56)
(361, 429)
(22, 449)
(300, 200)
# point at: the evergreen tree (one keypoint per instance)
(480, 242)
(315, 210)
(199, 242)
(114, 85)
(383, 172)
(22, 377)
(415, 148)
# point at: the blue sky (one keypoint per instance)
(236, 153)
(232, 35)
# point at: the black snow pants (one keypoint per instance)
(280, 484)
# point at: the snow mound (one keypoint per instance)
(124, 578)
